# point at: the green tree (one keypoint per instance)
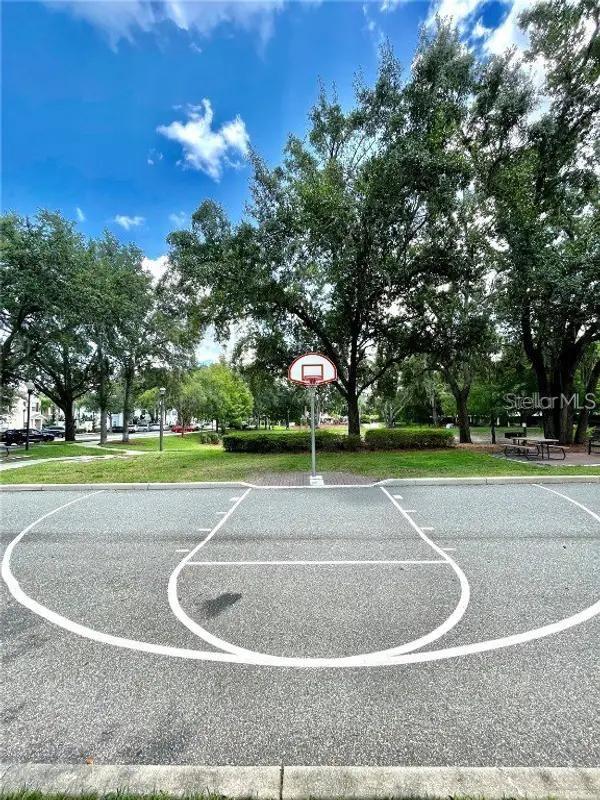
(25, 279)
(60, 354)
(542, 171)
(225, 396)
(326, 255)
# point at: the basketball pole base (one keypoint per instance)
(313, 450)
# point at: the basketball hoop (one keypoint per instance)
(312, 370)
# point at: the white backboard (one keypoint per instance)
(312, 369)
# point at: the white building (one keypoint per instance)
(16, 416)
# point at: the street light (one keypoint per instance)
(30, 388)
(162, 392)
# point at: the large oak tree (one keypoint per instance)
(325, 256)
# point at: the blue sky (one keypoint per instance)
(126, 115)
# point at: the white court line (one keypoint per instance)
(183, 550)
(261, 660)
(345, 562)
(423, 528)
(447, 549)
(372, 658)
(233, 499)
(222, 512)
(204, 530)
(570, 499)
(398, 497)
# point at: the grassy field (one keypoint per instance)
(211, 463)
(29, 794)
(189, 441)
(52, 450)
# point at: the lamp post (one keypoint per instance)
(162, 391)
(30, 388)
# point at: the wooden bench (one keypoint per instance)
(556, 448)
(594, 441)
(518, 434)
(528, 450)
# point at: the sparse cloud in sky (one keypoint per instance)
(129, 222)
(178, 218)
(153, 157)
(466, 15)
(206, 149)
(79, 214)
(124, 20)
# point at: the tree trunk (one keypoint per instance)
(353, 415)
(461, 396)
(559, 418)
(434, 415)
(127, 381)
(583, 422)
(67, 409)
(103, 399)
(464, 427)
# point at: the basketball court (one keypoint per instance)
(382, 624)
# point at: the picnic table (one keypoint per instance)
(523, 445)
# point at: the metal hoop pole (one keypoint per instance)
(312, 431)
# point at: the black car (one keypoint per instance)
(19, 436)
(55, 431)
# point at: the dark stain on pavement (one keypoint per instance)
(212, 608)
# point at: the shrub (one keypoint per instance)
(287, 441)
(408, 438)
(209, 437)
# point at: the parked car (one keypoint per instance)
(54, 430)
(132, 428)
(142, 427)
(178, 428)
(19, 436)
(154, 426)
(117, 429)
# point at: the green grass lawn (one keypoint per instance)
(52, 450)
(32, 794)
(189, 441)
(211, 463)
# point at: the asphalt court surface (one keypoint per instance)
(447, 625)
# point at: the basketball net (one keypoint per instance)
(312, 381)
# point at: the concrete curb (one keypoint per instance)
(302, 783)
(144, 487)
(262, 783)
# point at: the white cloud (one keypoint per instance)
(79, 214)
(375, 31)
(480, 31)
(178, 218)
(456, 10)
(508, 34)
(156, 266)
(494, 41)
(206, 149)
(123, 19)
(129, 222)
(153, 157)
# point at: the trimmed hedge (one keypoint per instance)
(209, 437)
(288, 441)
(408, 438)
